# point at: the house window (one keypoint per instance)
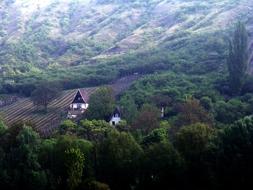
(113, 123)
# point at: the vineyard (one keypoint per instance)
(46, 123)
(24, 110)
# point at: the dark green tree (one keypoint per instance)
(192, 140)
(192, 112)
(128, 108)
(56, 157)
(66, 126)
(162, 166)
(21, 161)
(3, 127)
(118, 160)
(238, 58)
(74, 163)
(156, 136)
(235, 154)
(193, 144)
(44, 94)
(101, 104)
(94, 130)
(147, 119)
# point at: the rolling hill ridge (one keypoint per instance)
(39, 36)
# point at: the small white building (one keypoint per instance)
(78, 106)
(116, 117)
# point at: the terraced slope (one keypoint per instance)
(45, 124)
(24, 110)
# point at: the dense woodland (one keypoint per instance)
(201, 76)
(203, 141)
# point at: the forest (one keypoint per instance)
(186, 118)
(203, 140)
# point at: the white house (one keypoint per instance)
(116, 117)
(79, 105)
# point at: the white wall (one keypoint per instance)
(116, 120)
(83, 106)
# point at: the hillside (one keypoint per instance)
(23, 109)
(40, 39)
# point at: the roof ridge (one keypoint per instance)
(80, 92)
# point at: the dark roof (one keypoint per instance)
(79, 98)
(117, 111)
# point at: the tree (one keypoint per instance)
(44, 94)
(128, 108)
(21, 162)
(161, 101)
(118, 160)
(193, 144)
(3, 128)
(27, 153)
(57, 156)
(147, 119)
(66, 126)
(231, 111)
(162, 166)
(192, 112)
(238, 58)
(74, 163)
(192, 140)
(95, 130)
(234, 153)
(101, 104)
(156, 136)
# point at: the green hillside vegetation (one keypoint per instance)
(180, 78)
(93, 155)
(69, 42)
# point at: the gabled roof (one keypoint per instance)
(117, 111)
(79, 98)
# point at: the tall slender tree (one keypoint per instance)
(238, 58)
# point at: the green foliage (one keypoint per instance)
(162, 167)
(101, 104)
(84, 49)
(238, 58)
(192, 141)
(200, 157)
(94, 130)
(159, 135)
(234, 152)
(187, 76)
(229, 112)
(174, 86)
(20, 162)
(74, 163)
(3, 128)
(118, 160)
(67, 125)
(192, 112)
(44, 94)
(207, 103)
(128, 108)
(147, 119)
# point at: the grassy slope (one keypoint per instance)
(35, 38)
